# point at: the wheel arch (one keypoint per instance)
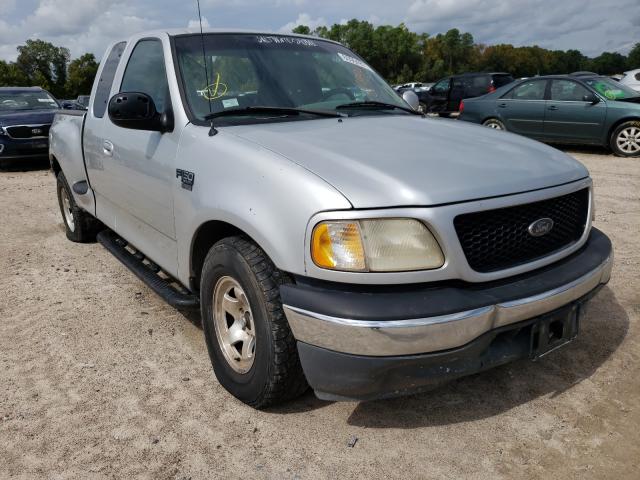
(205, 236)
(616, 124)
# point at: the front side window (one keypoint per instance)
(244, 70)
(529, 90)
(20, 101)
(568, 91)
(146, 73)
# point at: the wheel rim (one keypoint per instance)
(234, 325)
(628, 140)
(67, 211)
(493, 124)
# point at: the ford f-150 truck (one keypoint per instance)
(330, 235)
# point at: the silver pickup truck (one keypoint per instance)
(330, 235)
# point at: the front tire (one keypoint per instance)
(625, 139)
(252, 349)
(80, 226)
(494, 123)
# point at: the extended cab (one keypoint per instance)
(330, 235)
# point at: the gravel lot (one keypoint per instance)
(101, 379)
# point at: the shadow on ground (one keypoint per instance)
(496, 391)
(24, 165)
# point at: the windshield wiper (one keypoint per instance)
(380, 106)
(267, 110)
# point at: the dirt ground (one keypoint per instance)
(100, 379)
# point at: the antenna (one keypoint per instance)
(204, 59)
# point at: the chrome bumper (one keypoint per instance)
(425, 335)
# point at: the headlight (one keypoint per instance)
(376, 245)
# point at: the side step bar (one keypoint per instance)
(149, 273)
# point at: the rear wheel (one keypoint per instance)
(494, 123)
(625, 140)
(252, 349)
(80, 226)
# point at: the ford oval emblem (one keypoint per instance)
(540, 227)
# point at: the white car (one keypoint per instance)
(632, 79)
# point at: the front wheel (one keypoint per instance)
(625, 139)
(252, 349)
(494, 123)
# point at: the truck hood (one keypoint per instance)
(27, 117)
(394, 160)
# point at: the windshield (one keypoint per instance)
(610, 89)
(10, 101)
(247, 70)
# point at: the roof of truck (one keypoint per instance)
(174, 32)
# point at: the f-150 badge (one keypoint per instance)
(187, 178)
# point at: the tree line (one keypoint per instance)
(42, 64)
(401, 55)
(397, 53)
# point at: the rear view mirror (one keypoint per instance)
(591, 98)
(137, 111)
(412, 99)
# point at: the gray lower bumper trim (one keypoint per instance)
(424, 335)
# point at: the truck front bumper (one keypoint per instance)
(372, 342)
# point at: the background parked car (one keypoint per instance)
(26, 114)
(71, 105)
(632, 79)
(444, 97)
(564, 109)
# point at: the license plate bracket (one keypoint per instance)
(554, 331)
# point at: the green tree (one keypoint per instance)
(11, 75)
(45, 65)
(633, 59)
(302, 30)
(608, 63)
(80, 76)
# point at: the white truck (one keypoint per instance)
(330, 235)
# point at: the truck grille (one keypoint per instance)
(499, 239)
(28, 131)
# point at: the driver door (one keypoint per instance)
(138, 167)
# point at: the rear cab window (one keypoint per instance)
(106, 79)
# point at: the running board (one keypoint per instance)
(164, 286)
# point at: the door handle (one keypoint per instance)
(502, 105)
(107, 148)
(553, 107)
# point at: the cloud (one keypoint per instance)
(548, 23)
(195, 23)
(303, 19)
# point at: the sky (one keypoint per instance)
(90, 25)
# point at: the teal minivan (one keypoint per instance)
(573, 109)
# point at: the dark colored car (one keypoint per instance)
(445, 96)
(572, 109)
(26, 115)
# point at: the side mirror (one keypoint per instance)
(137, 111)
(412, 99)
(591, 98)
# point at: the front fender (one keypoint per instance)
(260, 192)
